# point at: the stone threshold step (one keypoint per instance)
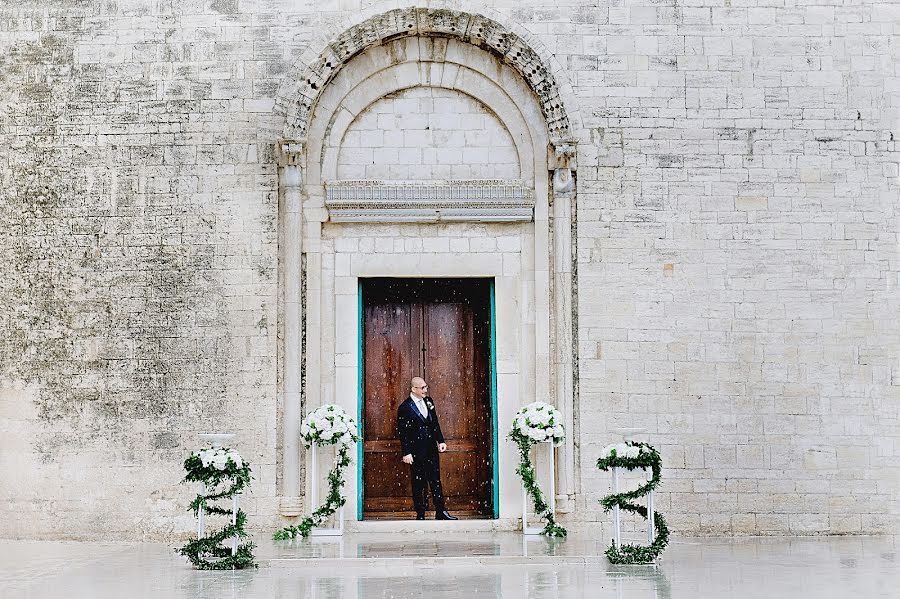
(444, 526)
(391, 564)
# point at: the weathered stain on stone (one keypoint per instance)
(225, 7)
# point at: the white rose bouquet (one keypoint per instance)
(218, 457)
(621, 450)
(328, 425)
(540, 422)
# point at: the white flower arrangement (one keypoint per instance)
(622, 450)
(218, 457)
(540, 422)
(328, 425)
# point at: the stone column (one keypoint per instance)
(564, 391)
(291, 216)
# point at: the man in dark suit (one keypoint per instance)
(422, 440)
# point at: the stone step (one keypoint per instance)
(395, 564)
(433, 526)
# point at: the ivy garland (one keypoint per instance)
(327, 425)
(538, 422)
(225, 475)
(633, 455)
(333, 501)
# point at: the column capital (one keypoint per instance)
(290, 152)
(563, 152)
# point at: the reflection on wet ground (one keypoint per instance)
(474, 565)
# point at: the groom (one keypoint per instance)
(421, 440)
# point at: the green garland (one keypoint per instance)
(527, 474)
(208, 553)
(647, 457)
(333, 500)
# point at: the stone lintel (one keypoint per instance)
(470, 200)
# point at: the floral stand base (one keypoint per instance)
(314, 500)
(537, 423)
(632, 455)
(327, 425)
(222, 475)
(539, 530)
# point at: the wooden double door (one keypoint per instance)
(438, 329)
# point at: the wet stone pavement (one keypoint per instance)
(452, 565)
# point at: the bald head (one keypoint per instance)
(418, 387)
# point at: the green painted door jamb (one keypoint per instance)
(494, 433)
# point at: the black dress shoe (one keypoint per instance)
(444, 515)
(420, 516)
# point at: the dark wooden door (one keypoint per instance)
(438, 329)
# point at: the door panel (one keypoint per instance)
(439, 328)
(391, 355)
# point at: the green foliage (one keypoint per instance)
(527, 474)
(333, 501)
(208, 553)
(647, 457)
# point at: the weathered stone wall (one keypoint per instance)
(737, 239)
(738, 258)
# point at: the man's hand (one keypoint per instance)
(407, 459)
(442, 447)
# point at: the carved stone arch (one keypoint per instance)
(497, 65)
(300, 90)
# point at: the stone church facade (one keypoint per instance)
(686, 217)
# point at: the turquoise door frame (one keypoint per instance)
(495, 490)
(359, 404)
(494, 433)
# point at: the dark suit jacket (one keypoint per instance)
(418, 436)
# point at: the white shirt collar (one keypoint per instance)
(420, 404)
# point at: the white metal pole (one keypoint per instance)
(524, 510)
(650, 509)
(617, 525)
(314, 479)
(552, 479)
(201, 514)
(234, 511)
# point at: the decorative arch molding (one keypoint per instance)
(497, 65)
(300, 91)
(443, 64)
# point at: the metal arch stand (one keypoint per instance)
(617, 521)
(314, 500)
(536, 530)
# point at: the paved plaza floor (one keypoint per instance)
(440, 564)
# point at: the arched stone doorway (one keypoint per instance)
(427, 143)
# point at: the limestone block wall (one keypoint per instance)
(737, 260)
(427, 133)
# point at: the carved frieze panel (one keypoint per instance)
(480, 200)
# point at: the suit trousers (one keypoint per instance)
(426, 472)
